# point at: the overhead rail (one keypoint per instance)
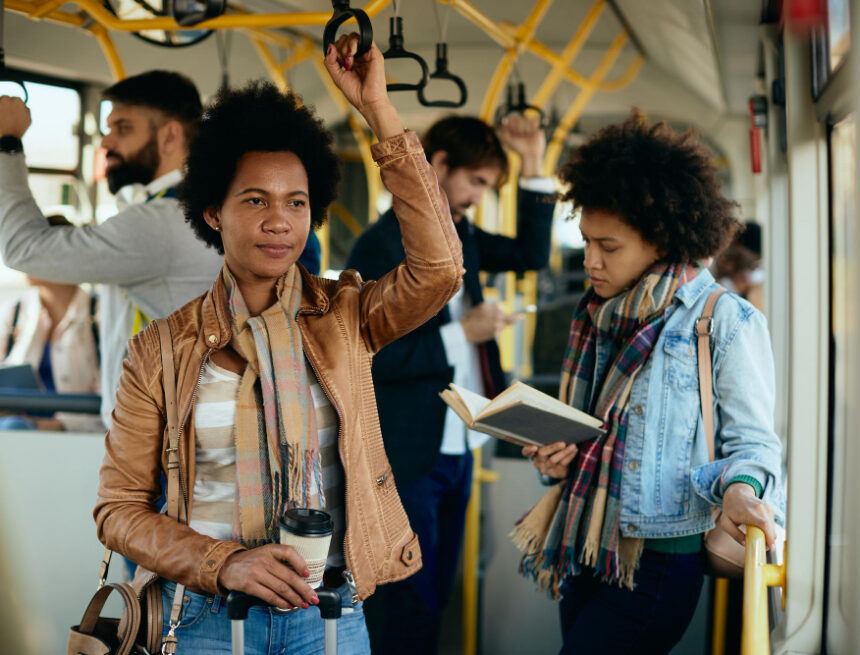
(227, 21)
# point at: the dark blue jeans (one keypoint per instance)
(603, 618)
(403, 617)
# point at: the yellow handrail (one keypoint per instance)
(226, 21)
(758, 576)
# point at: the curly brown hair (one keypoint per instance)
(659, 182)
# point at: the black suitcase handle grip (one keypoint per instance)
(238, 604)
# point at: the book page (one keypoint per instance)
(520, 392)
(474, 402)
(456, 403)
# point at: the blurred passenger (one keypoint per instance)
(283, 413)
(428, 445)
(147, 259)
(738, 267)
(52, 327)
(312, 254)
(619, 536)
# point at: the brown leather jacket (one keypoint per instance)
(343, 323)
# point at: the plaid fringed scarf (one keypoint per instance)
(277, 452)
(576, 524)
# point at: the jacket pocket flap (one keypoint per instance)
(411, 553)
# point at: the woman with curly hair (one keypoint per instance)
(274, 389)
(619, 536)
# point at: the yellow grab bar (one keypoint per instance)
(758, 576)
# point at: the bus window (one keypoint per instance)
(53, 141)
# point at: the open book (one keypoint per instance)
(522, 415)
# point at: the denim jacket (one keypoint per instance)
(668, 486)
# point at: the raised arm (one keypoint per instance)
(126, 248)
(431, 273)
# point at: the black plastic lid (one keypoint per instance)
(307, 522)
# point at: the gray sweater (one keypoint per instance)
(146, 256)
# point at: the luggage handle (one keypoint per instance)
(238, 604)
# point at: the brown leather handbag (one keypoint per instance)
(138, 630)
(725, 556)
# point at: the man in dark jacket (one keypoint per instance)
(427, 444)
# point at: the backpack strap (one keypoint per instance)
(704, 329)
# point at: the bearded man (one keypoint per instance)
(146, 257)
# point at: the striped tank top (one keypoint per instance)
(215, 482)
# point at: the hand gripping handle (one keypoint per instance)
(520, 106)
(342, 13)
(442, 73)
(238, 604)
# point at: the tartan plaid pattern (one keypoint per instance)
(277, 446)
(584, 529)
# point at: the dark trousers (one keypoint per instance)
(403, 617)
(603, 618)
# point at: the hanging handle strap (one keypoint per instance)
(397, 51)
(704, 329)
(442, 73)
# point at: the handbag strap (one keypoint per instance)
(704, 329)
(131, 612)
(171, 409)
(174, 509)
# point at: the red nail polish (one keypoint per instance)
(315, 599)
(305, 606)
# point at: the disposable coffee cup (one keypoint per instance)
(309, 532)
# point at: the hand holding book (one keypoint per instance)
(552, 460)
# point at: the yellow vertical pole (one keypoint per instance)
(480, 475)
(324, 235)
(471, 555)
(718, 626)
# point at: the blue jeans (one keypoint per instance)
(204, 628)
(602, 618)
(403, 617)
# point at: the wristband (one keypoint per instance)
(11, 144)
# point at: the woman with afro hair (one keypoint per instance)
(619, 537)
(273, 385)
